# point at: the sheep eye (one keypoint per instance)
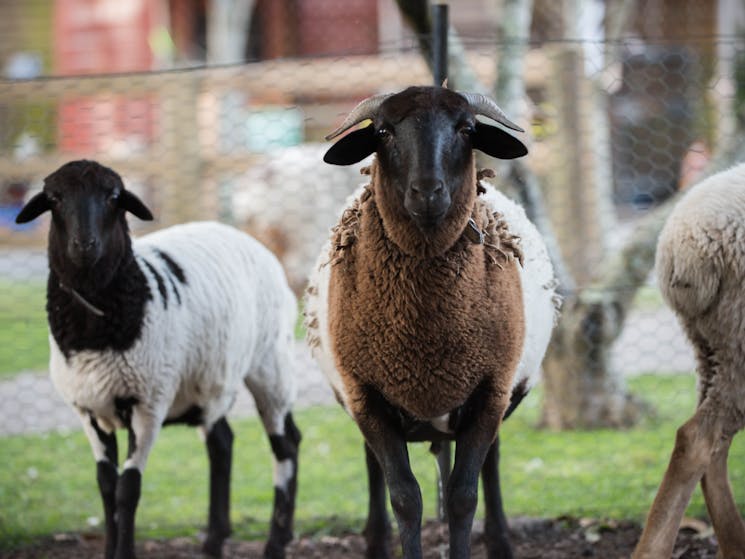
(53, 198)
(383, 133)
(113, 199)
(467, 129)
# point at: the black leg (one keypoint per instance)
(442, 452)
(473, 442)
(387, 441)
(285, 449)
(220, 452)
(107, 479)
(127, 496)
(496, 534)
(107, 476)
(378, 528)
(143, 427)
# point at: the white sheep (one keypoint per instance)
(164, 329)
(700, 265)
(431, 307)
(292, 173)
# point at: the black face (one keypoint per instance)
(87, 201)
(84, 213)
(428, 150)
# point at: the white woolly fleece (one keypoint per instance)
(540, 300)
(701, 249)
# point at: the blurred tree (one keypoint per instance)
(228, 22)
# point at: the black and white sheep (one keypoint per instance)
(700, 265)
(431, 306)
(160, 330)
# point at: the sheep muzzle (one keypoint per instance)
(427, 201)
(84, 251)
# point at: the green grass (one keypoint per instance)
(47, 483)
(23, 327)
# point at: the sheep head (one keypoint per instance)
(88, 202)
(424, 139)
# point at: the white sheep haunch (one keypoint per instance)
(164, 329)
(700, 266)
(431, 306)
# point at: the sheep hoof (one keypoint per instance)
(213, 547)
(378, 552)
(501, 554)
(274, 550)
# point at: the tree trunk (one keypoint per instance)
(227, 30)
(509, 91)
(581, 390)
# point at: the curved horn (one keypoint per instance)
(364, 110)
(483, 105)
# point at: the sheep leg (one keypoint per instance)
(108, 477)
(220, 451)
(471, 448)
(285, 447)
(495, 527)
(385, 439)
(378, 528)
(127, 496)
(273, 395)
(143, 428)
(105, 453)
(720, 502)
(694, 443)
(442, 453)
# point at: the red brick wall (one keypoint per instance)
(337, 27)
(95, 37)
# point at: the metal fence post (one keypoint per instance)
(440, 43)
(440, 74)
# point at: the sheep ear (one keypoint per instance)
(36, 206)
(352, 148)
(497, 143)
(134, 205)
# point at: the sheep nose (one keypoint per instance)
(427, 190)
(86, 245)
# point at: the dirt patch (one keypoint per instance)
(532, 539)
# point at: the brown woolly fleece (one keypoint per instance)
(424, 318)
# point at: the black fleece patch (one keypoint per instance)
(159, 280)
(123, 300)
(124, 409)
(173, 270)
(193, 416)
(124, 413)
(107, 439)
(286, 446)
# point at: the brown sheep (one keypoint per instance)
(431, 306)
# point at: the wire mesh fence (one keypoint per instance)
(615, 129)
